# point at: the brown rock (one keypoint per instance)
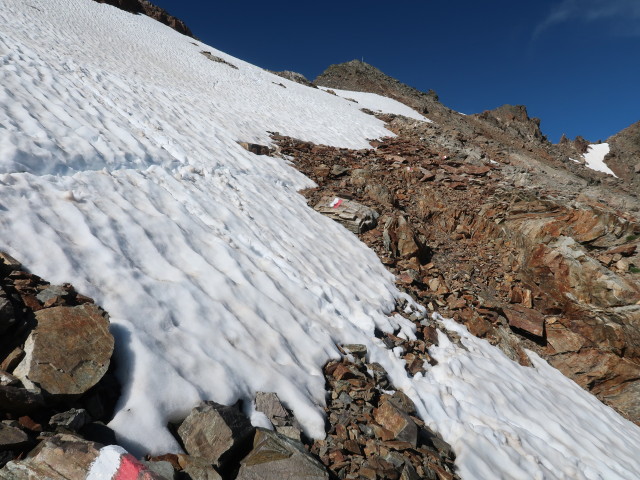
(397, 422)
(211, 430)
(525, 319)
(69, 350)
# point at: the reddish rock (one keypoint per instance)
(525, 319)
(399, 423)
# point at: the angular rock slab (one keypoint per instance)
(61, 457)
(211, 430)
(69, 350)
(525, 319)
(399, 423)
(276, 457)
(352, 215)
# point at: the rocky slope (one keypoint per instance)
(485, 220)
(624, 155)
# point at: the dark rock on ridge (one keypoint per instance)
(295, 77)
(147, 8)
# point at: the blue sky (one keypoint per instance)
(574, 63)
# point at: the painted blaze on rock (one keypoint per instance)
(69, 350)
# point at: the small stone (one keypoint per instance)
(7, 314)
(8, 263)
(6, 379)
(198, 468)
(73, 419)
(270, 405)
(358, 351)
(51, 292)
(338, 170)
(163, 469)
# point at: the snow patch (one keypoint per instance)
(594, 158)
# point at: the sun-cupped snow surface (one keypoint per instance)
(120, 172)
(506, 421)
(594, 158)
(377, 103)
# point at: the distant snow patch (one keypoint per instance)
(595, 158)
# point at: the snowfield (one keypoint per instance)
(120, 172)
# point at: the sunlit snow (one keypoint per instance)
(377, 103)
(594, 158)
(120, 172)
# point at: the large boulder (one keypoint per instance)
(69, 350)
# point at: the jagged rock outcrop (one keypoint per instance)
(624, 154)
(514, 120)
(147, 8)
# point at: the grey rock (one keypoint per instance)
(197, 468)
(352, 215)
(50, 292)
(73, 419)
(7, 314)
(276, 457)
(269, 404)
(12, 437)
(69, 350)
(211, 430)
(163, 469)
(338, 170)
